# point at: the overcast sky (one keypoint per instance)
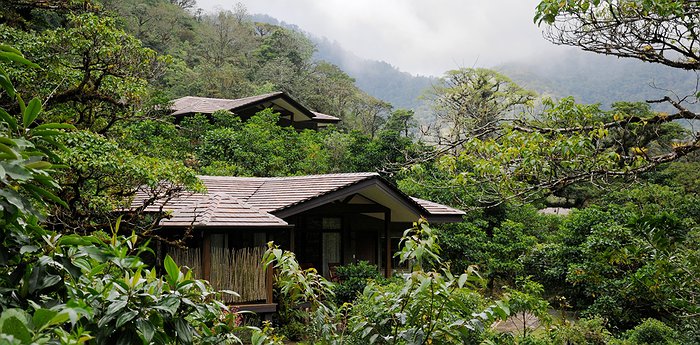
(418, 36)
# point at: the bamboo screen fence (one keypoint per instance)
(239, 270)
(190, 257)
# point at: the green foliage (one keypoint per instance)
(625, 263)
(95, 73)
(296, 287)
(427, 307)
(352, 280)
(582, 331)
(470, 102)
(419, 247)
(27, 185)
(72, 289)
(652, 332)
(527, 299)
(224, 145)
(104, 177)
(258, 148)
(110, 288)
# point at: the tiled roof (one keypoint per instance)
(274, 193)
(325, 117)
(204, 105)
(251, 201)
(217, 210)
(435, 208)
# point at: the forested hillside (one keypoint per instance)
(377, 78)
(85, 92)
(588, 77)
(593, 78)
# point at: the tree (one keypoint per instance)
(401, 121)
(472, 103)
(533, 155)
(226, 37)
(67, 288)
(96, 75)
(369, 114)
(101, 177)
(330, 90)
(664, 31)
(184, 4)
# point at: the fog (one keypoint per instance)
(417, 36)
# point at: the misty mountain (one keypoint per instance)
(588, 77)
(594, 78)
(377, 78)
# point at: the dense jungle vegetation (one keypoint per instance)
(85, 85)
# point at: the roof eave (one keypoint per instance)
(230, 226)
(444, 218)
(347, 190)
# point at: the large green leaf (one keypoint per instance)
(42, 317)
(9, 119)
(173, 270)
(41, 192)
(9, 49)
(184, 331)
(126, 317)
(6, 84)
(54, 126)
(39, 165)
(16, 322)
(16, 328)
(31, 112)
(12, 56)
(147, 330)
(6, 149)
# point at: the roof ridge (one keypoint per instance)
(233, 99)
(258, 210)
(214, 201)
(373, 175)
(366, 174)
(254, 192)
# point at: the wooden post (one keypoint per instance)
(269, 281)
(292, 239)
(206, 256)
(346, 241)
(378, 254)
(387, 234)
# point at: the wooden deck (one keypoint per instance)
(261, 308)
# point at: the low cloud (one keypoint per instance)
(420, 37)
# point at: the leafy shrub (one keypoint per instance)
(352, 280)
(583, 331)
(98, 283)
(652, 332)
(432, 306)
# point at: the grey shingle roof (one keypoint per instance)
(252, 201)
(205, 105)
(438, 209)
(274, 193)
(219, 210)
(321, 117)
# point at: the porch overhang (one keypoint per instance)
(378, 192)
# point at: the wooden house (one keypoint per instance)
(292, 113)
(326, 220)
